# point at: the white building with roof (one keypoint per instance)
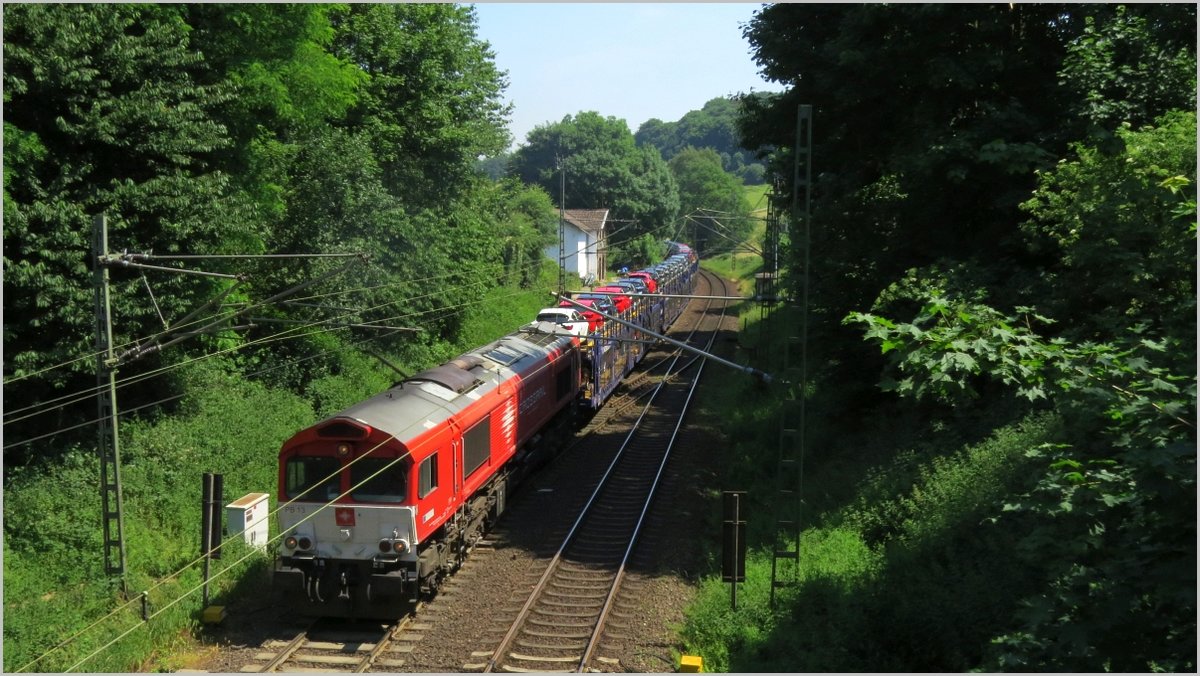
(584, 243)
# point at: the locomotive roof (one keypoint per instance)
(427, 398)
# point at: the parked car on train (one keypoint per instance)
(647, 277)
(632, 284)
(620, 301)
(601, 302)
(570, 319)
(589, 311)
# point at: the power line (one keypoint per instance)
(92, 355)
(282, 335)
(87, 394)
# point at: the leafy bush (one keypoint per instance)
(1111, 521)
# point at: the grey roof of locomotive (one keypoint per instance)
(427, 398)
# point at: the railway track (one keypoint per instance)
(349, 647)
(464, 623)
(561, 623)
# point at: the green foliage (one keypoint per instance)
(527, 222)
(220, 129)
(900, 570)
(277, 61)
(1121, 230)
(106, 117)
(1063, 545)
(637, 253)
(1112, 518)
(951, 125)
(432, 103)
(604, 170)
(503, 309)
(712, 199)
(1126, 66)
(713, 127)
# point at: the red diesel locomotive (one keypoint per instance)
(383, 500)
(414, 475)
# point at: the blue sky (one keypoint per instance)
(633, 61)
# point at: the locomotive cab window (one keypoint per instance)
(427, 476)
(318, 475)
(379, 480)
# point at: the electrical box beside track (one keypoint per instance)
(247, 516)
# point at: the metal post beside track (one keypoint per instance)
(108, 437)
(789, 500)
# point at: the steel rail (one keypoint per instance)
(612, 594)
(551, 567)
(286, 652)
(389, 637)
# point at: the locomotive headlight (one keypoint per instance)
(343, 449)
(388, 545)
(305, 543)
(290, 542)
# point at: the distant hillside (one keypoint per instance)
(713, 126)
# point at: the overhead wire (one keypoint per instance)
(93, 355)
(164, 400)
(295, 332)
(84, 395)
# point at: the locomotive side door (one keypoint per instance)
(456, 455)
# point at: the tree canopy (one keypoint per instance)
(934, 117)
(247, 129)
(604, 170)
(713, 126)
(1004, 204)
(711, 199)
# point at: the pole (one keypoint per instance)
(206, 529)
(562, 226)
(108, 435)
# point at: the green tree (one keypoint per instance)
(939, 199)
(276, 59)
(1130, 64)
(925, 148)
(284, 84)
(712, 199)
(103, 114)
(604, 169)
(432, 104)
(527, 222)
(1111, 524)
(713, 126)
(1119, 231)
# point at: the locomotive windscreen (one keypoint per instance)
(313, 478)
(379, 480)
